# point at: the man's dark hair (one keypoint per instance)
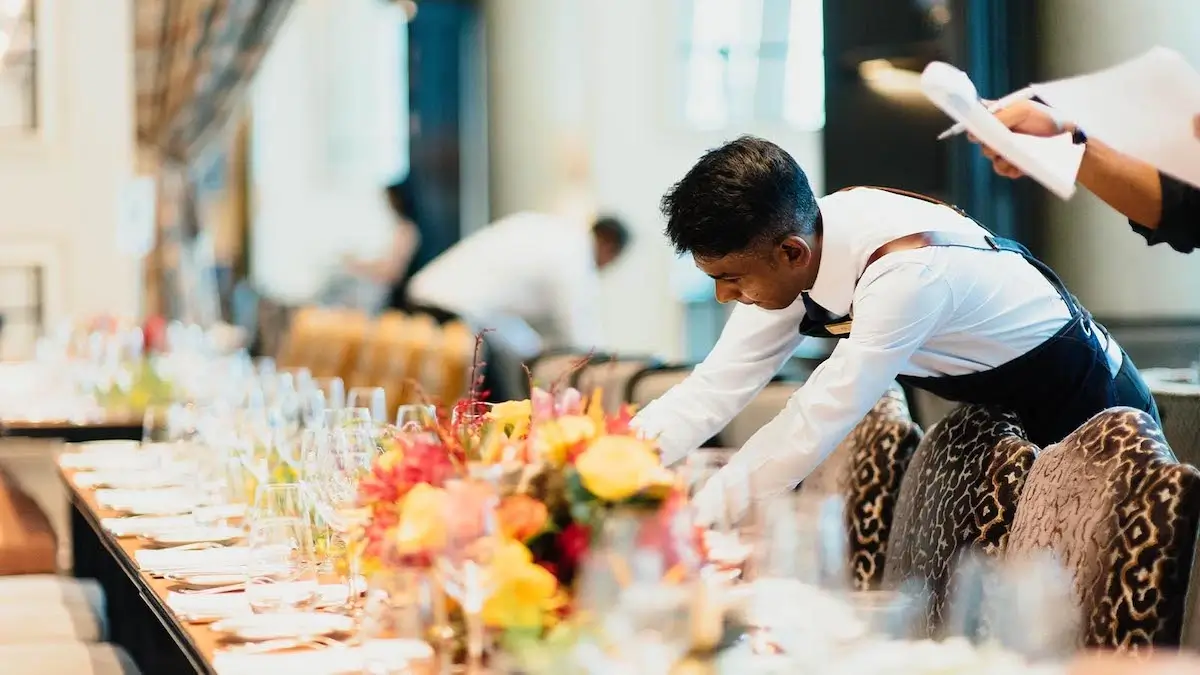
(742, 194)
(611, 230)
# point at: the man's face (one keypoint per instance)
(768, 277)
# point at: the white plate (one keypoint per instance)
(219, 512)
(198, 535)
(197, 582)
(282, 625)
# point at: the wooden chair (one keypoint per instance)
(959, 493)
(1117, 509)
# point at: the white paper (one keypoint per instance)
(1144, 108)
(1053, 162)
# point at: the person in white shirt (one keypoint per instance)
(536, 268)
(919, 291)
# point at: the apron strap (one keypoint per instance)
(987, 242)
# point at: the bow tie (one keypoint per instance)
(816, 312)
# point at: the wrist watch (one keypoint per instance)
(1078, 137)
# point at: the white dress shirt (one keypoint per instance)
(531, 266)
(923, 312)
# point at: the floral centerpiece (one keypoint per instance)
(559, 467)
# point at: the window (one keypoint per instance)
(748, 61)
(18, 50)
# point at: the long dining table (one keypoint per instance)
(139, 618)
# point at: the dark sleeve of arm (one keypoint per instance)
(1179, 226)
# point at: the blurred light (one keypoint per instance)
(885, 78)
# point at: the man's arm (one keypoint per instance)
(1129, 185)
(753, 346)
(894, 315)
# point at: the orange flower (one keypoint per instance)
(522, 517)
(422, 520)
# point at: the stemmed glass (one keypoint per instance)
(281, 573)
(471, 539)
(416, 418)
(334, 390)
(347, 458)
(374, 399)
(469, 422)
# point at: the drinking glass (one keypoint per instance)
(281, 570)
(471, 538)
(342, 418)
(347, 458)
(469, 422)
(374, 399)
(415, 418)
(334, 390)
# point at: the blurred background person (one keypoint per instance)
(371, 283)
(531, 276)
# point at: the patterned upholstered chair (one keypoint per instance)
(1121, 514)
(866, 469)
(960, 493)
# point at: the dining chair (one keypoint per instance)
(958, 494)
(1120, 514)
(610, 377)
(866, 470)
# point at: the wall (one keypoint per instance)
(61, 191)
(580, 117)
(327, 121)
(1111, 269)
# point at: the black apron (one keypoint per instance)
(1054, 388)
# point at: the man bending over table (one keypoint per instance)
(914, 289)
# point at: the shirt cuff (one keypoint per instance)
(1179, 225)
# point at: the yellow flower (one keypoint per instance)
(524, 593)
(422, 520)
(615, 468)
(512, 416)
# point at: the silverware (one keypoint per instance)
(267, 646)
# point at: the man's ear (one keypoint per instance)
(795, 251)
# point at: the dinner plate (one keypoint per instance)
(219, 512)
(199, 582)
(283, 625)
(196, 535)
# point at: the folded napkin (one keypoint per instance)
(231, 559)
(153, 501)
(134, 526)
(379, 656)
(131, 479)
(117, 457)
(222, 605)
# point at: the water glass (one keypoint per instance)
(374, 399)
(281, 572)
(415, 418)
(471, 537)
(334, 390)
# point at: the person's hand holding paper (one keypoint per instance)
(1053, 162)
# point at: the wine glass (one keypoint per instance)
(374, 399)
(471, 538)
(416, 418)
(348, 457)
(281, 569)
(334, 390)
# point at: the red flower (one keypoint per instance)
(621, 423)
(573, 543)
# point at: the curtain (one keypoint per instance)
(193, 61)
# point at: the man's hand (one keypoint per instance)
(1031, 119)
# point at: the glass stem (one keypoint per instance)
(474, 642)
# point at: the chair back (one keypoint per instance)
(866, 469)
(1116, 508)
(959, 494)
(611, 378)
(557, 367)
(761, 409)
(651, 383)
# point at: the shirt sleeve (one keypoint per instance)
(752, 348)
(1179, 226)
(894, 315)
